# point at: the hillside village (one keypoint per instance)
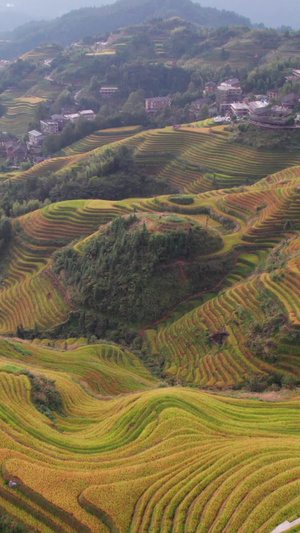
(225, 100)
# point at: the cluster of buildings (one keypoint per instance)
(152, 105)
(230, 101)
(53, 126)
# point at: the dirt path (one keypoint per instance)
(286, 526)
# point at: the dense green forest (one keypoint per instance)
(128, 275)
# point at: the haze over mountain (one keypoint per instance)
(268, 12)
(271, 13)
(77, 24)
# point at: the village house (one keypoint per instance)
(36, 138)
(155, 104)
(257, 104)
(229, 92)
(291, 79)
(49, 126)
(239, 109)
(4, 63)
(61, 121)
(88, 114)
(72, 117)
(107, 92)
(290, 101)
(273, 94)
(210, 87)
(16, 152)
(296, 73)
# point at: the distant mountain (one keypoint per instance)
(272, 14)
(11, 18)
(73, 26)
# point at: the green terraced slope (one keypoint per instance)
(161, 461)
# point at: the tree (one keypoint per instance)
(204, 112)
(94, 84)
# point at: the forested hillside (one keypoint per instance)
(91, 21)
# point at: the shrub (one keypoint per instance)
(181, 199)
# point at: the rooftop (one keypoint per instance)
(86, 112)
(239, 105)
(35, 133)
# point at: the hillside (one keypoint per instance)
(93, 21)
(256, 224)
(149, 281)
(139, 267)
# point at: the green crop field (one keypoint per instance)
(192, 159)
(93, 441)
(161, 460)
(100, 138)
(19, 113)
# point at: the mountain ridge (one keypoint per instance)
(77, 24)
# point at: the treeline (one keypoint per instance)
(130, 276)
(113, 175)
(6, 233)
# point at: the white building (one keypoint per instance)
(239, 109)
(88, 114)
(106, 92)
(35, 137)
(72, 117)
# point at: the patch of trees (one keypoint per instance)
(6, 233)
(11, 525)
(70, 134)
(129, 276)
(44, 395)
(263, 139)
(114, 175)
(14, 74)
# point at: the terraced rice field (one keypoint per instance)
(262, 211)
(41, 53)
(209, 153)
(192, 159)
(19, 113)
(30, 294)
(125, 455)
(164, 460)
(191, 357)
(100, 138)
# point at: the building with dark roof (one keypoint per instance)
(290, 101)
